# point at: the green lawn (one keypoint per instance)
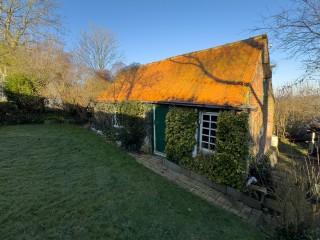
(65, 182)
(291, 154)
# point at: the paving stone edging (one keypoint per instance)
(220, 195)
(230, 191)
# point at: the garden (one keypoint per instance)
(63, 182)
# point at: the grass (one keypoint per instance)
(291, 154)
(64, 182)
(291, 148)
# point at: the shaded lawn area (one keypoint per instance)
(65, 182)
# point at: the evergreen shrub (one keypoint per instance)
(181, 124)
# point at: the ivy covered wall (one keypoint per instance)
(232, 148)
(181, 135)
(228, 164)
(127, 122)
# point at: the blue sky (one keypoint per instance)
(149, 30)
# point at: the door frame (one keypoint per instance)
(154, 134)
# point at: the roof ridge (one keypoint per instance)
(261, 36)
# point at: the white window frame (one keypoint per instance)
(215, 114)
(115, 120)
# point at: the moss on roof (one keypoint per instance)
(220, 76)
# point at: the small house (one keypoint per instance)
(234, 76)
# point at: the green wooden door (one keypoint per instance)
(160, 113)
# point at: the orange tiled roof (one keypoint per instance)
(219, 76)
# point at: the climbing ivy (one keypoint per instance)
(104, 119)
(228, 165)
(232, 148)
(181, 124)
(133, 123)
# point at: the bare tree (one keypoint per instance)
(72, 85)
(57, 75)
(296, 109)
(98, 49)
(116, 68)
(297, 30)
(28, 21)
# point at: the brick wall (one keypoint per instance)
(261, 97)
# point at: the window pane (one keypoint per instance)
(205, 131)
(214, 125)
(205, 138)
(204, 145)
(206, 117)
(208, 131)
(214, 118)
(206, 124)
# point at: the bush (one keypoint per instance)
(22, 91)
(181, 124)
(298, 202)
(132, 120)
(205, 164)
(103, 119)
(303, 232)
(80, 114)
(261, 169)
(133, 125)
(232, 148)
(11, 116)
(228, 165)
(21, 117)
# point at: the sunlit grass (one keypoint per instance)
(291, 154)
(64, 182)
(292, 148)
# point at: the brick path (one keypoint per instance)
(252, 216)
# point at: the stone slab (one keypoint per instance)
(220, 187)
(172, 166)
(234, 193)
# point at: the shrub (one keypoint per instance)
(132, 119)
(232, 148)
(228, 165)
(261, 169)
(302, 232)
(205, 164)
(181, 124)
(134, 125)
(21, 117)
(23, 92)
(298, 200)
(103, 119)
